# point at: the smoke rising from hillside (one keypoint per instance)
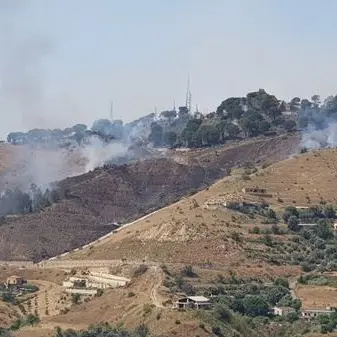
(22, 75)
(314, 138)
(320, 125)
(23, 97)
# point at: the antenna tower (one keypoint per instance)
(188, 95)
(111, 111)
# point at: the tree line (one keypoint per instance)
(258, 113)
(15, 201)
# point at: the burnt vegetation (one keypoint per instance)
(15, 202)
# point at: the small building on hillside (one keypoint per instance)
(310, 314)
(283, 311)
(15, 281)
(193, 302)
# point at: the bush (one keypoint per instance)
(131, 294)
(293, 223)
(288, 212)
(255, 230)
(283, 282)
(255, 306)
(223, 312)
(306, 267)
(188, 272)
(140, 270)
(275, 229)
(236, 237)
(291, 317)
(75, 298)
(32, 320)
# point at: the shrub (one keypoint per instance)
(291, 317)
(188, 272)
(293, 223)
(255, 230)
(75, 298)
(275, 229)
(236, 237)
(283, 282)
(288, 212)
(131, 294)
(306, 267)
(140, 270)
(255, 306)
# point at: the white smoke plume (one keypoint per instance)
(22, 96)
(313, 138)
(97, 154)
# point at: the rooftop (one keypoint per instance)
(198, 298)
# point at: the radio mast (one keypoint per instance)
(188, 95)
(111, 111)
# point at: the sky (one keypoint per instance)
(63, 61)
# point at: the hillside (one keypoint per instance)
(121, 193)
(219, 246)
(197, 230)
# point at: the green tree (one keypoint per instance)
(271, 214)
(156, 135)
(249, 126)
(223, 312)
(296, 304)
(291, 317)
(305, 104)
(274, 294)
(293, 223)
(32, 320)
(209, 134)
(289, 125)
(170, 138)
(323, 230)
(75, 298)
(230, 108)
(264, 126)
(281, 281)
(316, 99)
(232, 130)
(329, 212)
(169, 114)
(288, 212)
(255, 305)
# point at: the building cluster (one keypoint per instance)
(307, 314)
(90, 282)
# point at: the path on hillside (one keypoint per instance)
(292, 287)
(158, 279)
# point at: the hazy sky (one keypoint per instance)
(62, 61)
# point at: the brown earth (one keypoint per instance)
(316, 297)
(189, 232)
(127, 192)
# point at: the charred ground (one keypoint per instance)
(122, 193)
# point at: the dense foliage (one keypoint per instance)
(104, 330)
(17, 202)
(257, 113)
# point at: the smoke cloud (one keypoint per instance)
(22, 75)
(22, 96)
(319, 124)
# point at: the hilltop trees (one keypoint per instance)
(17, 202)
